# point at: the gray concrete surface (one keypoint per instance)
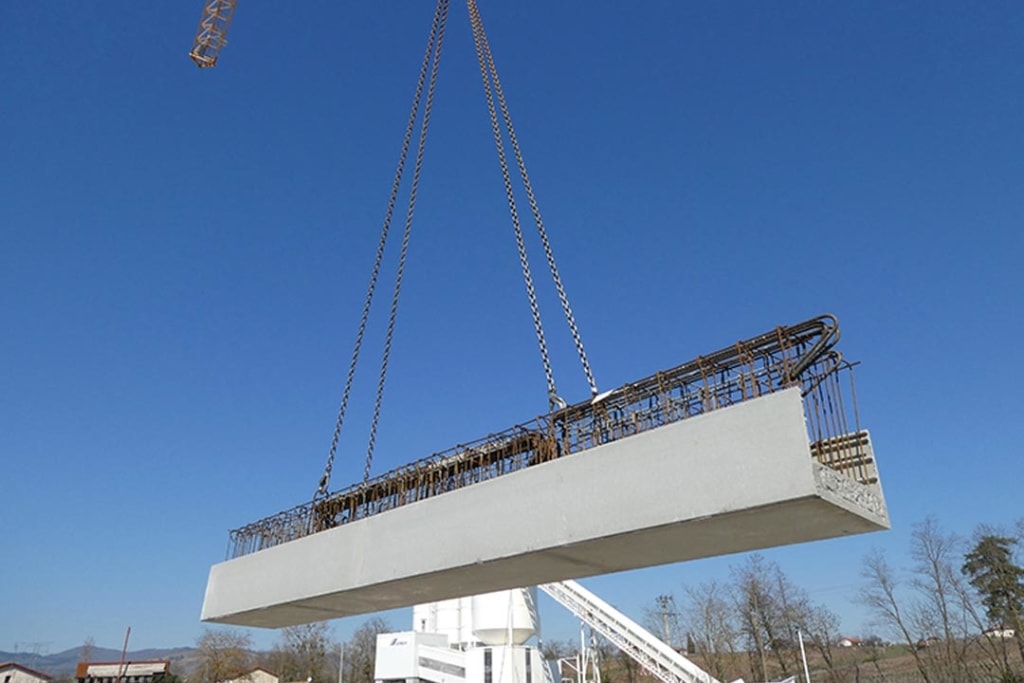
(733, 480)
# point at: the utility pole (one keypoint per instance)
(124, 652)
(669, 619)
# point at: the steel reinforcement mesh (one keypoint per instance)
(799, 355)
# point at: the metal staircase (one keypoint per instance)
(643, 646)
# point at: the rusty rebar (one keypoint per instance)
(801, 355)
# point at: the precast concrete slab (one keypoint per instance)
(736, 479)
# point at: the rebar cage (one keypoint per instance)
(799, 355)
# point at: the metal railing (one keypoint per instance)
(800, 355)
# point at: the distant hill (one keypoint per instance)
(62, 664)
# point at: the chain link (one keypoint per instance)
(407, 232)
(480, 41)
(548, 252)
(492, 89)
(325, 480)
(488, 67)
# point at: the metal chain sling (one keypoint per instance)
(417, 167)
(492, 89)
(433, 45)
(489, 74)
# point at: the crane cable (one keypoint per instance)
(492, 88)
(432, 53)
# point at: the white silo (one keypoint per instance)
(453, 618)
(505, 617)
(505, 664)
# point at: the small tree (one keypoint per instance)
(940, 609)
(822, 625)
(768, 606)
(88, 647)
(880, 594)
(553, 650)
(361, 651)
(754, 612)
(629, 670)
(709, 615)
(999, 581)
(306, 652)
(223, 656)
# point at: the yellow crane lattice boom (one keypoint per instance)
(211, 35)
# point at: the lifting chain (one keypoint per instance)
(437, 36)
(433, 50)
(492, 91)
(524, 262)
(492, 88)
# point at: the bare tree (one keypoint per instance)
(224, 655)
(768, 606)
(995, 659)
(940, 587)
(880, 594)
(553, 650)
(306, 652)
(794, 609)
(822, 629)
(361, 651)
(88, 648)
(628, 667)
(709, 615)
(751, 603)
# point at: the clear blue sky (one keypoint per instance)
(183, 256)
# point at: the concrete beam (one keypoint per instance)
(732, 480)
